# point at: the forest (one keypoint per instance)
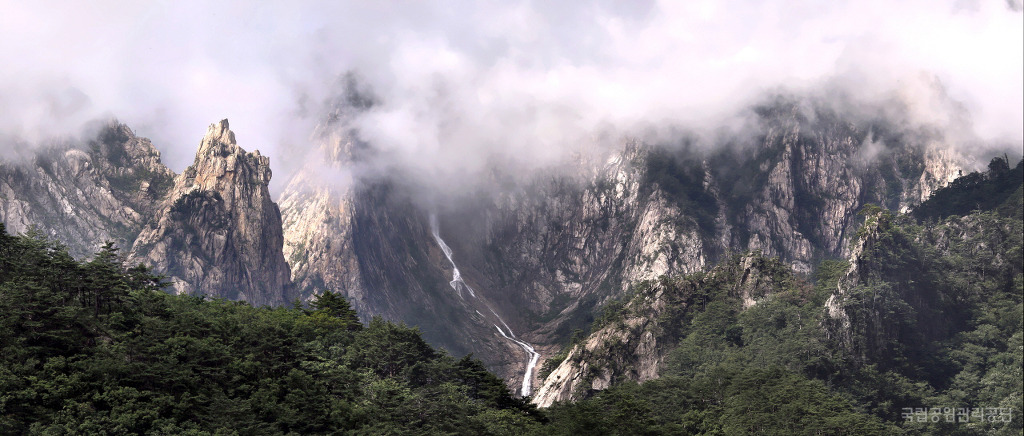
(95, 347)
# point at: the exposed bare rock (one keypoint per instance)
(318, 218)
(545, 252)
(86, 193)
(632, 345)
(814, 175)
(941, 165)
(359, 238)
(218, 231)
(665, 241)
(319, 207)
(795, 194)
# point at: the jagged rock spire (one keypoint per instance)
(220, 132)
(218, 231)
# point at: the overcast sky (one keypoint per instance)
(458, 79)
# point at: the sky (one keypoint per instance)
(460, 84)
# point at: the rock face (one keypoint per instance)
(219, 232)
(633, 344)
(811, 175)
(85, 194)
(369, 241)
(318, 209)
(212, 230)
(797, 197)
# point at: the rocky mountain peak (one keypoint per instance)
(221, 164)
(218, 134)
(218, 231)
(101, 189)
(116, 145)
(131, 162)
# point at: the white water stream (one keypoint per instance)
(458, 285)
(534, 356)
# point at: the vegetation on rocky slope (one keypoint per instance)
(1000, 189)
(926, 316)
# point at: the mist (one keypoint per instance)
(461, 85)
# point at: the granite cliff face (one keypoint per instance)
(318, 209)
(632, 343)
(813, 172)
(369, 240)
(218, 231)
(212, 230)
(794, 193)
(86, 193)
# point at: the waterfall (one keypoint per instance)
(458, 285)
(534, 356)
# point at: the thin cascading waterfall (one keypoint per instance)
(534, 357)
(458, 284)
(501, 321)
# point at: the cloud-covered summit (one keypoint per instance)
(459, 84)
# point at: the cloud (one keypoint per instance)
(464, 84)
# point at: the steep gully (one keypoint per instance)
(458, 284)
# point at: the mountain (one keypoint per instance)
(366, 238)
(925, 315)
(542, 253)
(923, 312)
(921, 315)
(212, 230)
(86, 193)
(219, 232)
(507, 268)
(635, 333)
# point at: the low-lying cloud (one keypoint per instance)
(462, 84)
